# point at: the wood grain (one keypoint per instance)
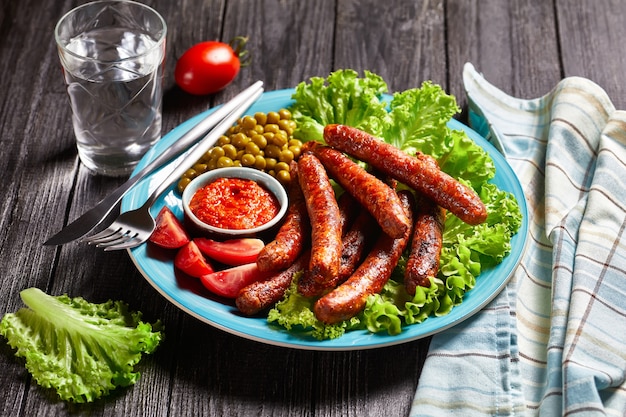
(524, 47)
(592, 46)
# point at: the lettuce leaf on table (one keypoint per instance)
(80, 349)
(415, 120)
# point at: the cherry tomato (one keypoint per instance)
(190, 260)
(228, 282)
(169, 232)
(232, 251)
(208, 67)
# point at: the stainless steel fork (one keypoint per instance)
(134, 227)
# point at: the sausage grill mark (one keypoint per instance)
(354, 243)
(262, 295)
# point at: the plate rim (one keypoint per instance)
(367, 340)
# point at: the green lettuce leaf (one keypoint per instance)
(295, 313)
(419, 118)
(465, 160)
(467, 250)
(80, 349)
(343, 97)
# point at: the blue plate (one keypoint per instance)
(189, 295)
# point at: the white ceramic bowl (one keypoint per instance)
(262, 178)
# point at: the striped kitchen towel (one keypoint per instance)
(554, 341)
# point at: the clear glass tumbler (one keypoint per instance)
(113, 54)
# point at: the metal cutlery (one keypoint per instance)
(134, 227)
(93, 217)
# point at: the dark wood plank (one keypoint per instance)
(289, 41)
(404, 42)
(28, 187)
(592, 37)
(514, 45)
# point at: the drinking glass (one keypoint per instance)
(112, 53)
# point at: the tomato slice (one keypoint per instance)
(231, 252)
(228, 282)
(191, 261)
(169, 232)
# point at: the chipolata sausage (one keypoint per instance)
(373, 194)
(349, 298)
(354, 244)
(293, 235)
(360, 236)
(446, 191)
(324, 217)
(348, 210)
(261, 295)
(423, 260)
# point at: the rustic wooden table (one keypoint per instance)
(523, 46)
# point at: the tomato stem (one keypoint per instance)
(238, 43)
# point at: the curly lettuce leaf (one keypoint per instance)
(426, 302)
(382, 311)
(419, 118)
(295, 313)
(80, 349)
(467, 250)
(466, 160)
(343, 97)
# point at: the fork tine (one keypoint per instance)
(109, 233)
(119, 240)
(129, 244)
(107, 240)
(121, 235)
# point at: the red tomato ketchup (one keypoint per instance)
(234, 203)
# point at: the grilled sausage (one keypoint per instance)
(293, 234)
(324, 217)
(373, 194)
(446, 191)
(261, 295)
(348, 209)
(349, 298)
(354, 244)
(423, 262)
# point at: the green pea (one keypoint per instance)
(224, 162)
(248, 159)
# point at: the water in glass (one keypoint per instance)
(115, 97)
